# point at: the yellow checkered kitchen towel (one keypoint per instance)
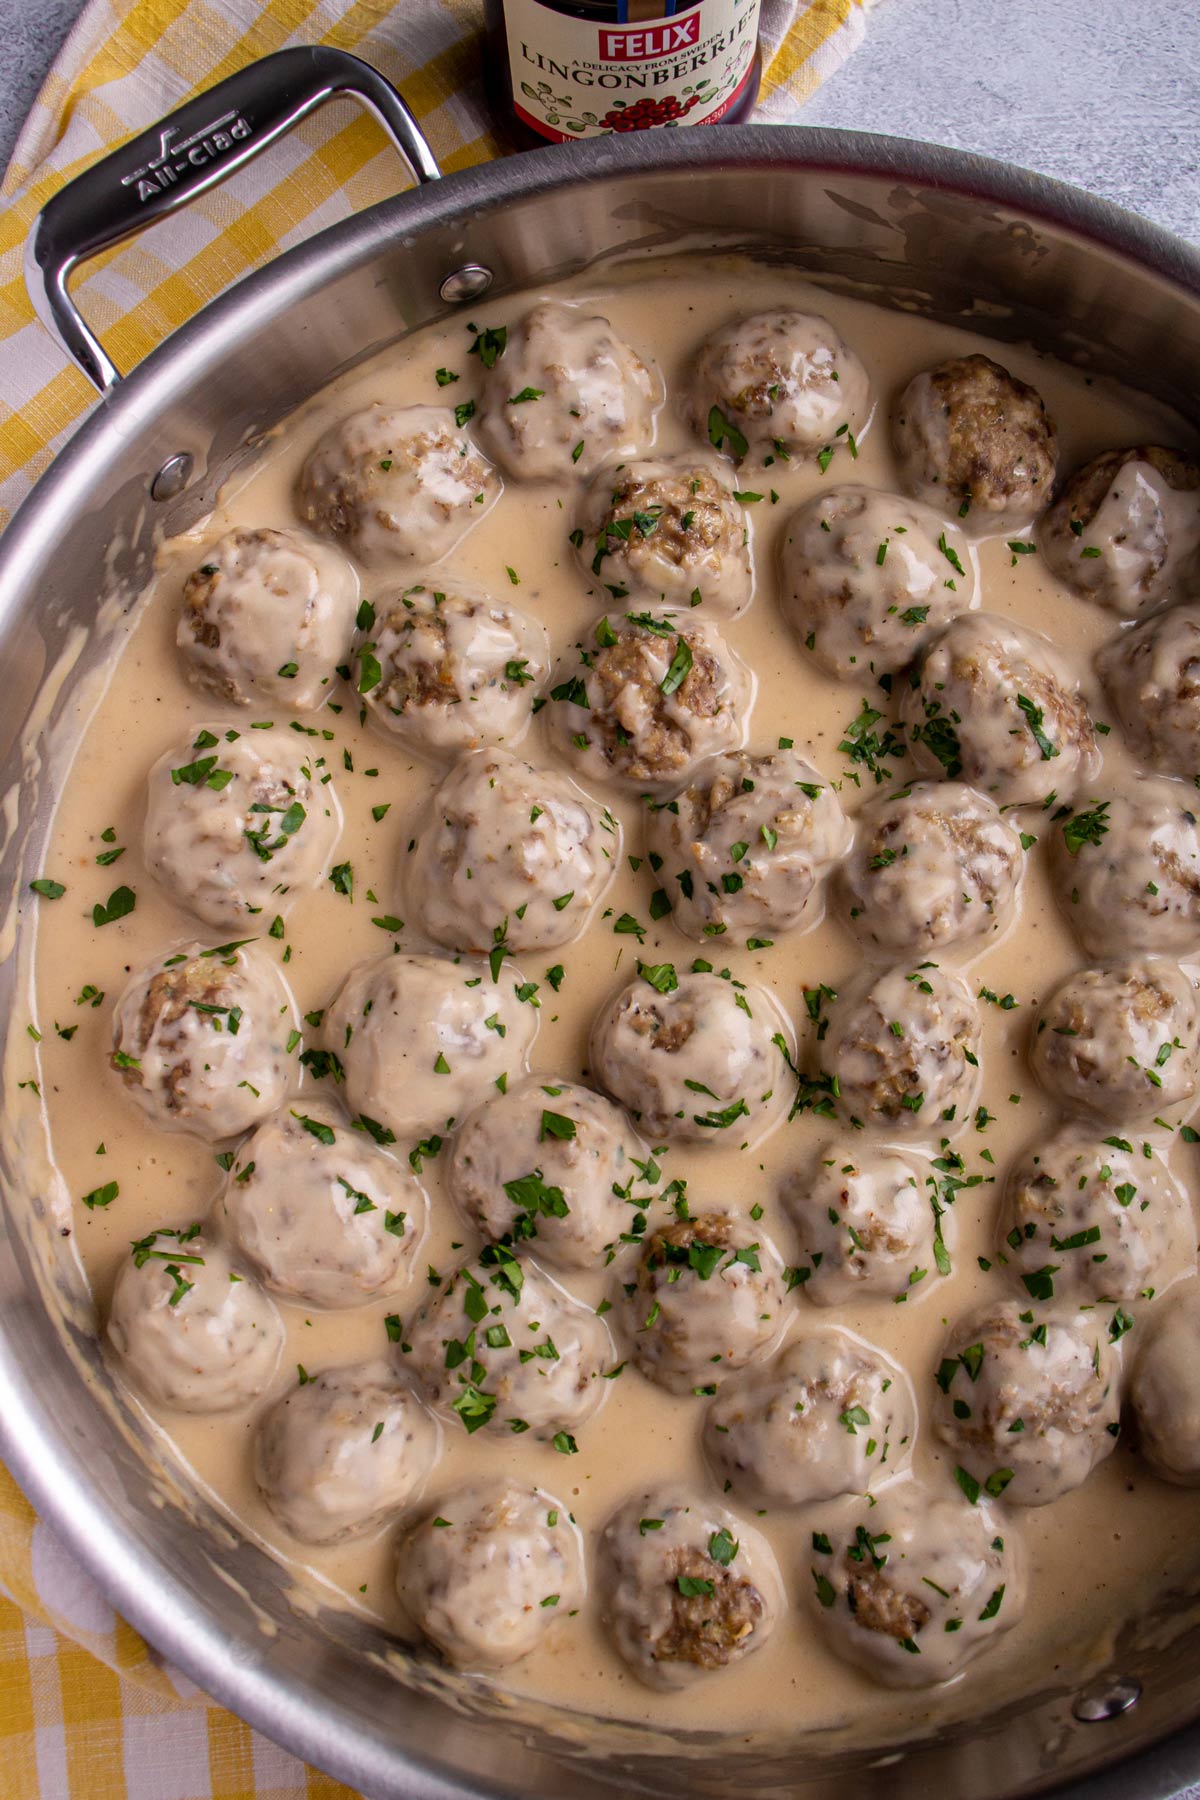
(87, 1711)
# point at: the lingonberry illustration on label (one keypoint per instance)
(576, 78)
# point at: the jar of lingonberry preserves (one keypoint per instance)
(557, 70)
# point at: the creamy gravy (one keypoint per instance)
(1097, 1555)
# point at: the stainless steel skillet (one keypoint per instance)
(906, 224)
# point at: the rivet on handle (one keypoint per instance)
(466, 283)
(173, 477)
(1107, 1699)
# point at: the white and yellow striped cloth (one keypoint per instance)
(87, 1712)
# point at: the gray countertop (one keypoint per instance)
(1099, 92)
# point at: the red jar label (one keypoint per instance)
(573, 78)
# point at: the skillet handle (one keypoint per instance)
(194, 148)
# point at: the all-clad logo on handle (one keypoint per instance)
(175, 159)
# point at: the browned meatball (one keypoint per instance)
(745, 847)
(686, 1588)
(669, 533)
(1152, 677)
(708, 1299)
(648, 699)
(200, 1041)
(934, 865)
(1001, 707)
(902, 1050)
(1126, 527)
(393, 483)
(974, 439)
(1120, 1041)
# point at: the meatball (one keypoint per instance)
(1151, 675)
(669, 533)
(1126, 528)
(445, 672)
(189, 1329)
(320, 1213)
(745, 847)
(934, 865)
(652, 700)
(830, 1415)
(396, 484)
(866, 1223)
(869, 578)
(344, 1452)
(564, 394)
(685, 1587)
(709, 1298)
(1092, 1218)
(1165, 1390)
(267, 617)
(1120, 1041)
(235, 829)
(511, 849)
(200, 1040)
(1127, 870)
(1000, 707)
(422, 1039)
(695, 1055)
(552, 1163)
(489, 1575)
(971, 438)
(902, 1050)
(917, 1585)
(505, 1348)
(1027, 1409)
(776, 384)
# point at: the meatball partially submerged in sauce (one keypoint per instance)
(1126, 528)
(1151, 675)
(865, 1223)
(933, 865)
(1028, 1407)
(1127, 869)
(915, 1587)
(446, 670)
(709, 1298)
(972, 439)
(1120, 1041)
(830, 1415)
(647, 699)
(902, 1051)
(1164, 1392)
(238, 829)
(267, 617)
(509, 849)
(694, 1056)
(868, 578)
(669, 533)
(320, 1212)
(1091, 1218)
(685, 1587)
(1000, 707)
(500, 1341)
(774, 385)
(343, 1453)
(190, 1330)
(745, 848)
(562, 393)
(554, 1164)
(492, 1573)
(396, 484)
(200, 1040)
(418, 1037)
